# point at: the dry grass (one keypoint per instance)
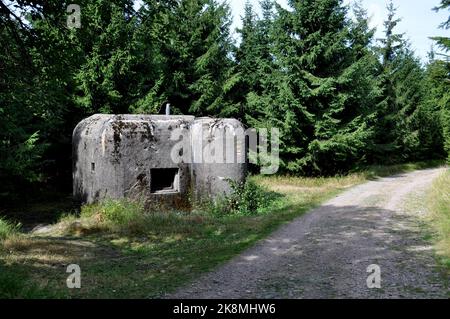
(293, 184)
(439, 205)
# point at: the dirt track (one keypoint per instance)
(325, 253)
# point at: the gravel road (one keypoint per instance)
(326, 252)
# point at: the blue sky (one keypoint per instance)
(419, 21)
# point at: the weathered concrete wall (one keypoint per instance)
(118, 156)
(94, 177)
(218, 151)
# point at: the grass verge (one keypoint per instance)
(439, 206)
(375, 171)
(8, 229)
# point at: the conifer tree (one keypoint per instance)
(195, 48)
(444, 42)
(254, 63)
(244, 78)
(313, 96)
(410, 118)
(386, 147)
(441, 70)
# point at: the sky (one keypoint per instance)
(419, 21)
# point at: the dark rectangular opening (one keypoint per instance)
(164, 180)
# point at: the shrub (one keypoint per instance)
(7, 228)
(247, 198)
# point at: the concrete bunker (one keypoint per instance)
(160, 159)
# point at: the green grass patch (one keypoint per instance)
(8, 229)
(15, 283)
(439, 205)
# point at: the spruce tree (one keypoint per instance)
(431, 127)
(444, 42)
(386, 146)
(35, 96)
(254, 62)
(108, 48)
(195, 47)
(441, 70)
(244, 78)
(263, 67)
(411, 119)
(318, 90)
